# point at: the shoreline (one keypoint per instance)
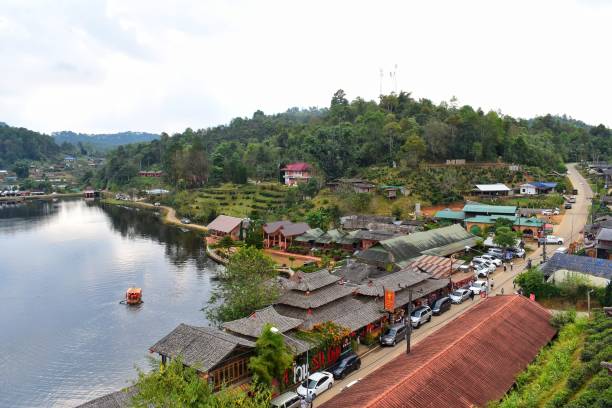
(41, 197)
(168, 213)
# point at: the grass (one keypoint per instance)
(378, 205)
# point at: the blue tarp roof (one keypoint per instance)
(543, 184)
(583, 264)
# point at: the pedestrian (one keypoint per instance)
(511, 265)
(472, 295)
(524, 255)
(492, 283)
(502, 291)
(513, 284)
(505, 269)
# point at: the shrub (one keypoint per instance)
(560, 319)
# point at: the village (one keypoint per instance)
(443, 280)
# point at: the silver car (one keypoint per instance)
(287, 400)
(420, 316)
(459, 295)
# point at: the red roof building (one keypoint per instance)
(472, 360)
(295, 173)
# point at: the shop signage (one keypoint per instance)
(389, 300)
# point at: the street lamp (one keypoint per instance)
(276, 331)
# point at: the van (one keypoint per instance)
(287, 400)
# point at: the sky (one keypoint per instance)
(99, 66)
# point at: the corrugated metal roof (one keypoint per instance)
(472, 360)
(492, 187)
(449, 214)
(490, 209)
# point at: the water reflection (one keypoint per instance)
(64, 338)
(179, 245)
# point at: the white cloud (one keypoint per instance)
(163, 66)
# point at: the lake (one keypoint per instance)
(64, 267)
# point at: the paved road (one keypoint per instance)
(570, 227)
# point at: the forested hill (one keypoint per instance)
(23, 144)
(104, 141)
(349, 136)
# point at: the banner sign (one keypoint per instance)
(389, 300)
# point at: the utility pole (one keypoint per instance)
(589, 301)
(408, 321)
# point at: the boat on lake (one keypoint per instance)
(133, 296)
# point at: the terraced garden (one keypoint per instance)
(230, 199)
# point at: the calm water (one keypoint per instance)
(64, 337)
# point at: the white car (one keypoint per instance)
(481, 271)
(518, 252)
(315, 384)
(482, 263)
(490, 258)
(552, 240)
(478, 286)
(561, 250)
(551, 212)
(459, 295)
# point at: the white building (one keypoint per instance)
(528, 189)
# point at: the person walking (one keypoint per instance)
(505, 268)
(492, 283)
(511, 265)
(472, 295)
(502, 291)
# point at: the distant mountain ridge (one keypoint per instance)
(104, 141)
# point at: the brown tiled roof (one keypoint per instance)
(253, 325)
(404, 277)
(319, 297)
(472, 360)
(224, 223)
(349, 312)
(304, 281)
(200, 347)
(288, 228)
(437, 266)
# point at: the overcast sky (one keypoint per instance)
(103, 66)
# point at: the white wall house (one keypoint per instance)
(528, 189)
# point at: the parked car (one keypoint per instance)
(157, 204)
(551, 240)
(478, 286)
(287, 400)
(393, 335)
(481, 271)
(568, 206)
(551, 212)
(496, 253)
(490, 258)
(346, 365)
(464, 268)
(185, 220)
(459, 295)
(486, 264)
(440, 306)
(420, 316)
(561, 250)
(517, 252)
(315, 384)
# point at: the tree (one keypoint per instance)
(177, 386)
(318, 218)
(505, 238)
(414, 148)
(272, 357)
(254, 234)
(21, 169)
(247, 284)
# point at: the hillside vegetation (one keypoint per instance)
(568, 372)
(354, 138)
(23, 144)
(104, 141)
